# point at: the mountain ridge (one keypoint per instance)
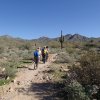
(67, 37)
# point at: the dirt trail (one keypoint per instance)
(29, 84)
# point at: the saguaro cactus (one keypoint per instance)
(35, 44)
(61, 40)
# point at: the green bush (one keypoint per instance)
(2, 82)
(70, 50)
(88, 72)
(75, 91)
(64, 58)
(90, 68)
(26, 54)
(54, 44)
(25, 46)
(10, 68)
(1, 49)
(90, 44)
(10, 71)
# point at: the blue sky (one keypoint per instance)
(31, 19)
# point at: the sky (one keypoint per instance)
(31, 19)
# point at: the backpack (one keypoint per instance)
(36, 54)
(44, 52)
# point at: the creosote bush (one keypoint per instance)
(10, 68)
(88, 73)
(75, 91)
(70, 50)
(54, 44)
(90, 68)
(25, 46)
(64, 58)
(1, 49)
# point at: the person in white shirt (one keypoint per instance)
(39, 54)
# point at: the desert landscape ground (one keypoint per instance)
(71, 73)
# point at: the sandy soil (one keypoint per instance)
(30, 84)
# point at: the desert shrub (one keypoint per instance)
(54, 44)
(20, 53)
(54, 50)
(70, 50)
(26, 46)
(88, 73)
(68, 44)
(10, 68)
(90, 44)
(26, 54)
(64, 58)
(1, 49)
(75, 91)
(90, 68)
(10, 54)
(10, 71)
(2, 82)
(13, 56)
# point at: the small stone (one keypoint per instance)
(65, 70)
(43, 77)
(62, 66)
(3, 69)
(61, 70)
(10, 89)
(8, 78)
(14, 81)
(31, 81)
(18, 82)
(35, 74)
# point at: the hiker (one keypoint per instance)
(39, 54)
(47, 51)
(36, 58)
(44, 54)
